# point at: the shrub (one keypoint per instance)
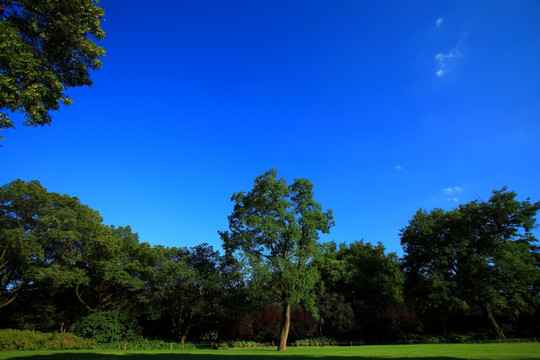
(145, 344)
(106, 327)
(35, 340)
(314, 342)
(238, 344)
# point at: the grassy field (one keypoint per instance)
(523, 351)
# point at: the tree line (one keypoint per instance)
(471, 271)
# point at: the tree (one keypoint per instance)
(46, 46)
(482, 256)
(187, 287)
(115, 267)
(275, 229)
(373, 278)
(360, 282)
(41, 237)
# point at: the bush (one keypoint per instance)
(106, 327)
(240, 344)
(35, 340)
(145, 344)
(314, 342)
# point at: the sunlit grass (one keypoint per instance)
(514, 351)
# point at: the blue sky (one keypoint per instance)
(386, 106)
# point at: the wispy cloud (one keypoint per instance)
(445, 60)
(398, 167)
(452, 192)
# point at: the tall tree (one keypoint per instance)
(275, 229)
(46, 46)
(482, 256)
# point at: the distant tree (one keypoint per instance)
(187, 287)
(335, 311)
(46, 46)
(481, 256)
(372, 277)
(275, 228)
(360, 282)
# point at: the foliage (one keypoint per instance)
(187, 287)
(315, 342)
(61, 268)
(145, 345)
(240, 344)
(360, 281)
(480, 257)
(41, 237)
(35, 340)
(274, 228)
(107, 327)
(373, 278)
(116, 267)
(46, 46)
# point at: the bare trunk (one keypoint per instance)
(498, 330)
(285, 325)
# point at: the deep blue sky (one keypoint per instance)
(386, 106)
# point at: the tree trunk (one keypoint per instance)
(285, 325)
(183, 325)
(498, 330)
(81, 299)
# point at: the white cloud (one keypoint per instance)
(454, 199)
(398, 167)
(439, 22)
(444, 61)
(452, 190)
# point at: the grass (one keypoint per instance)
(523, 351)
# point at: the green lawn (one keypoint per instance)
(524, 351)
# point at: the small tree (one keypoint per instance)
(275, 229)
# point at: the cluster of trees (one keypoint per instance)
(467, 270)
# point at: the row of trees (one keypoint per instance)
(463, 271)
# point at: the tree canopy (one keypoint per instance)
(46, 46)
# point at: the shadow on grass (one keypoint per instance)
(216, 356)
